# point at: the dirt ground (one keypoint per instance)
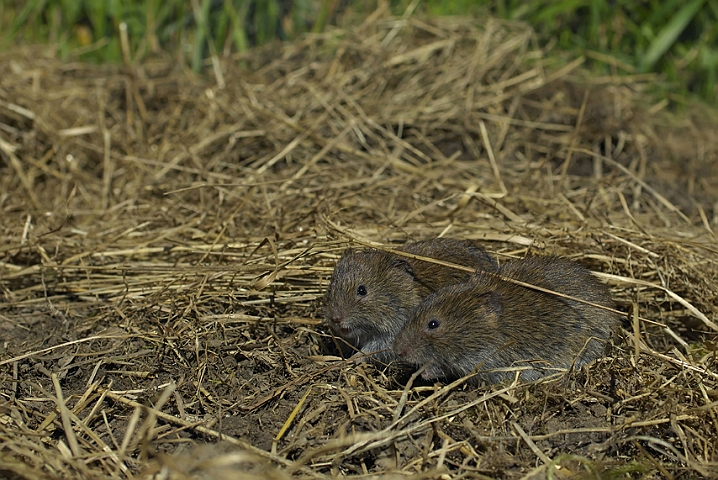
(167, 239)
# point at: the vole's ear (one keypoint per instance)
(493, 301)
(402, 264)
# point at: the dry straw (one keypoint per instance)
(167, 242)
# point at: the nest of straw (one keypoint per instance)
(167, 240)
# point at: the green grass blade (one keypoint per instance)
(97, 12)
(566, 7)
(322, 16)
(714, 8)
(22, 17)
(201, 20)
(662, 12)
(238, 19)
(668, 35)
(266, 16)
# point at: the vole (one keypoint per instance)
(373, 293)
(489, 323)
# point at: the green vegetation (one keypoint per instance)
(89, 29)
(676, 38)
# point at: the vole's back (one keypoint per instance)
(429, 277)
(547, 326)
(490, 323)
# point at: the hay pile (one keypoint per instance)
(166, 244)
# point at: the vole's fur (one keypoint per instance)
(489, 323)
(392, 287)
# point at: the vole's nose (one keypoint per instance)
(336, 318)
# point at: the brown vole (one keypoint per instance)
(373, 293)
(490, 323)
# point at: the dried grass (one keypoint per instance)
(167, 244)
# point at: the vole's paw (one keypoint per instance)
(360, 357)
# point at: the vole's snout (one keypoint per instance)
(401, 349)
(336, 318)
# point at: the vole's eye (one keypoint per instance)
(433, 324)
(361, 291)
